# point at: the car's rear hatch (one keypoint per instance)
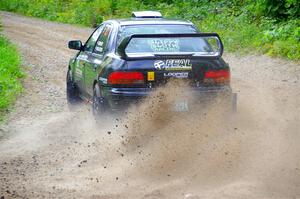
(183, 68)
(186, 56)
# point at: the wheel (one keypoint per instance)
(99, 104)
(72, 91)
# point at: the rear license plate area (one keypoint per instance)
(181, 106)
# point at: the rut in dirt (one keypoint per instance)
(49, 152)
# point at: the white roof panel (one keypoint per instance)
(146, 14)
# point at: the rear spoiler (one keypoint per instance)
(121, 49)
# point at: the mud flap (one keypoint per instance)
(234, 102)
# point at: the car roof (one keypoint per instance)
(149, 21)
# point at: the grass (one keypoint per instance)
(10, 74)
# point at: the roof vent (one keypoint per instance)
(146, 14)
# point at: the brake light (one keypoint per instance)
(120, 77)
(217, 76)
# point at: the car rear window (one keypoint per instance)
(170, 45)
(154, 29)
(173, 45)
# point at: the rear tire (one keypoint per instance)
(99, 104)
(72, 91)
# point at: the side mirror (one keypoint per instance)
(75, 45)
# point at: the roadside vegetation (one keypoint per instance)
(268, 26)
(10, 74)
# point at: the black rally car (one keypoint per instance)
(124, 60)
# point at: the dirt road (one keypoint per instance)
(48, 152)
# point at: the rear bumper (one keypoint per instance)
(121, 97)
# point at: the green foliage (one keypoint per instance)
(282, 39)
(10, 73)
(281, 9)
(237, 33)
(268, 26)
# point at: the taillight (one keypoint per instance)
(217, 76)
(127, 78)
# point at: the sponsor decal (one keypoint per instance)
(98, 49)
(164, 45)
(173, 64)
(151, 76)
(159, 64)
(103, 80)
(177, 74)
(78, 72)
(99, 43)
(82, 57)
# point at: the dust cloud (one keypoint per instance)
(209, 152)
(153, 152)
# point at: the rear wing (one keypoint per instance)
(149, 46)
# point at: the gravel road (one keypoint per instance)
(46, 151)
